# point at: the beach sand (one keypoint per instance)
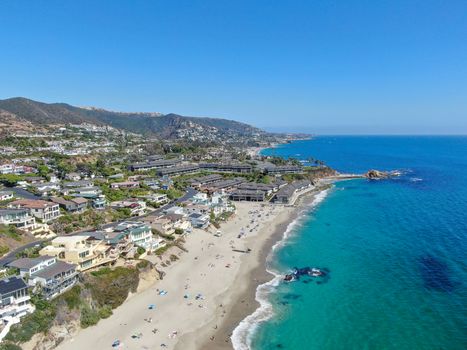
(225, 279)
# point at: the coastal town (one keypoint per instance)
(84, 206)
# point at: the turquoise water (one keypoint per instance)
(396, 249)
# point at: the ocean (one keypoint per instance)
(396, 251)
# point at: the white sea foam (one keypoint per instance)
(243, 333)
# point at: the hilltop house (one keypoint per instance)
(45, 188)
(20, 218)
(52, 276)
(78, 183)
(45, 211)
(136, 207)
(74, 205)
(126, 184)
(6, 195)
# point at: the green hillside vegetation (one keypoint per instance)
(143, 123)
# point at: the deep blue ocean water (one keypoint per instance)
(396, 249)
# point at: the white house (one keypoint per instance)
(15, 302)
(53, 276)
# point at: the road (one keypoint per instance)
(12, 255)
(21, 192)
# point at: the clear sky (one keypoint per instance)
(368, 66)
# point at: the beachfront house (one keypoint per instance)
(160, 223)
(289, 193)
(15, 302)
(47, 274)
(199, 220)
(84, 251)
(139, 233)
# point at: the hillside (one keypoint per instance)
(169, 125)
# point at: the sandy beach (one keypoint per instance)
(209, 290)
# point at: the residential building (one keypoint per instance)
(289, 193)
(126, 184)
(99, 202)
(179, 170)
(198, 182)
(158, 198)
(116, 177)
(160, 223)
(46, 211)
(156, 164)
(166, 183)
(220, 203)
(136, 207)
(225, 185)
(84, 251)
(20, 218)
(268, 189)
(139, 233)
(15, 169)
(6, 195)
(197, 208)
(73, 176)
(227, 167)
(79, 183)
(180, 221)
(283, 169)
(86, 192)
(52, 276)
(74, 205)
(15, 302)
(248, 195)
(199, 220)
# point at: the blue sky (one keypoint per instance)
(396, 66)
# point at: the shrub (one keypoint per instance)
(39, 321)
(178, 231)
(89, 317)
(72, 297)
(112, 286)
(4, 250)
(9, 346)
(105, 311)
(142, 264)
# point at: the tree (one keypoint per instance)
(43, 170)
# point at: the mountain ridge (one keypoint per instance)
(164, 125)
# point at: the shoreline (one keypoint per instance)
(244, 302)
(218, 268)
